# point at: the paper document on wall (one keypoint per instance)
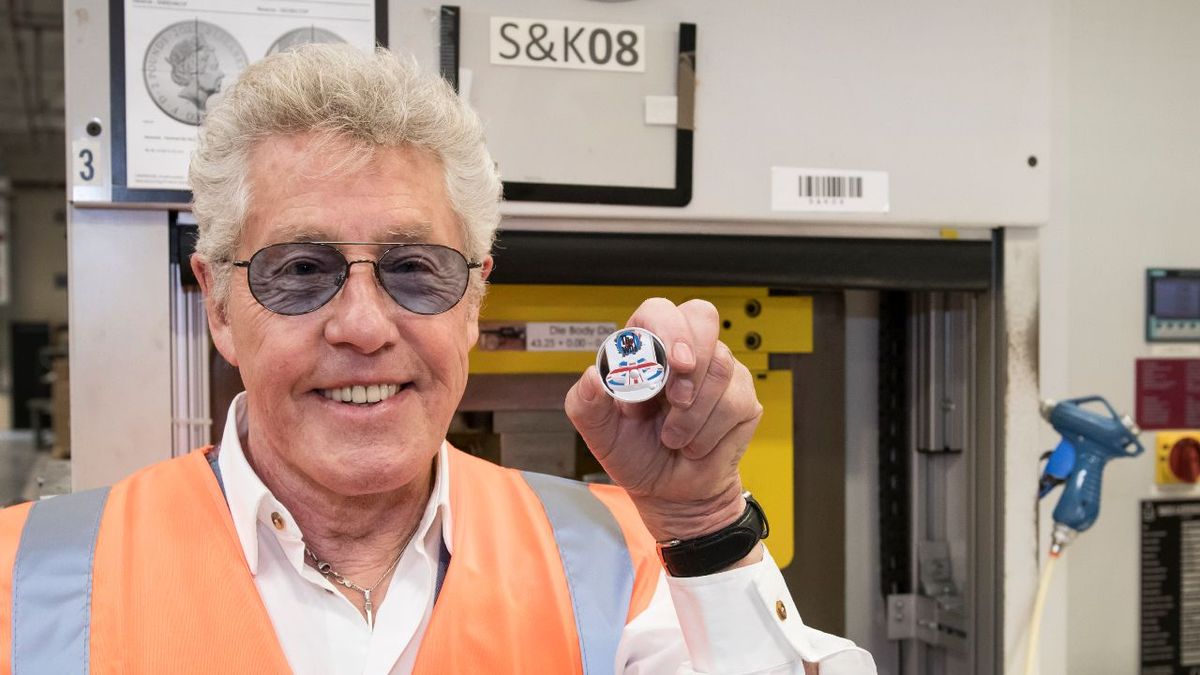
(180, 54)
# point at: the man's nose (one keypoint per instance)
(363, 313)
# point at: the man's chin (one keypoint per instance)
(372, 467)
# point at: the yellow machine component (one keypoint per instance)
(753, 324)
(767, 465)
(1178, 457)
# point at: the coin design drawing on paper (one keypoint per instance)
(303, 36)
(633, 365)
(188, 62)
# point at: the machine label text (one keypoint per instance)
(566, 337)
(545, 43)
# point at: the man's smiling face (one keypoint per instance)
(360, 338)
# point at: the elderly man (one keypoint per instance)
(347, 206)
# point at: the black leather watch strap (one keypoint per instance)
(719, 550)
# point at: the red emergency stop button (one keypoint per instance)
(1185, 460)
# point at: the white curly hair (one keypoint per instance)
(348, 96)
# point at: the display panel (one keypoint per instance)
(1172, 305)
(1176, 298)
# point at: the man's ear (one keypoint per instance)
(218, 322)
(486, 270)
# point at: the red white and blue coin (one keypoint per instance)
(633, 365)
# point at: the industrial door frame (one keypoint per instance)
(814, 264)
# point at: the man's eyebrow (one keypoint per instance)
(419, 231)
(303, 234)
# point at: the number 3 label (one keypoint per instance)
(87, 161)
(543, 43)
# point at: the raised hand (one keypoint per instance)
(677, 454)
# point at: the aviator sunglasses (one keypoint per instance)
(300, 277)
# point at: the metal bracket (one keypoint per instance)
(929, 620)
(933, 568)
(933, 616)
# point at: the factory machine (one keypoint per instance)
(854, 187)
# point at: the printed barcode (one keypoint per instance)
(831, 186)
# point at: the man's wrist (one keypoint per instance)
(689, 520)
(735, 545)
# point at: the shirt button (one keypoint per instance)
(277, 520)
(780, 610)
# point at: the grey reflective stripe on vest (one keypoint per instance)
(52, 584)
(597, 563)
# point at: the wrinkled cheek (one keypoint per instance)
(464, 370)
(455, 383)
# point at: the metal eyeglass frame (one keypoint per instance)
(245, 264)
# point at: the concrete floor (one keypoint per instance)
(17, 457)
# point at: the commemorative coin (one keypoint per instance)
(633, 365)
(303, 36)
(186, 64)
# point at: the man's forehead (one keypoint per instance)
(306, 152)
(315, 187)
(392, 232)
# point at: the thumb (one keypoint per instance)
(593, 412)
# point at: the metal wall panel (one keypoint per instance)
(120, 341)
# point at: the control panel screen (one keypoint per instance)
(1177, 298)
(1172, 305)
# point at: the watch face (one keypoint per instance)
(633, 365)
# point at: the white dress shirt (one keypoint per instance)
(721, 623)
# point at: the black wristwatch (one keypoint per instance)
(719, 550)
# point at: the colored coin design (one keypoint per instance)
(186, 64)
(633, 365)
(302, 36)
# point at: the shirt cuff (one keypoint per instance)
(744, 621)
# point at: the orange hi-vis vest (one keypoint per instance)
(149, 577)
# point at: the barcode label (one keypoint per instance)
(834, 187)
(825, 190)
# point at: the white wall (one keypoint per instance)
(1126, 123)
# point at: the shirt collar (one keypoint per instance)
(252, 504)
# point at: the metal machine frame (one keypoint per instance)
(125, 352)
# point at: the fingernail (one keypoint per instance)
(683, 354)
(682, 390)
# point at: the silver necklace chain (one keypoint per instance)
(328, 572)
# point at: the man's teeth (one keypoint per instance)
(362, 393)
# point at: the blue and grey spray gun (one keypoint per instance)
(1089, 440)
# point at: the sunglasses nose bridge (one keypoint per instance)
(350, 267)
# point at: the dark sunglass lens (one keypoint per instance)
(296, 278)
(424, 279)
